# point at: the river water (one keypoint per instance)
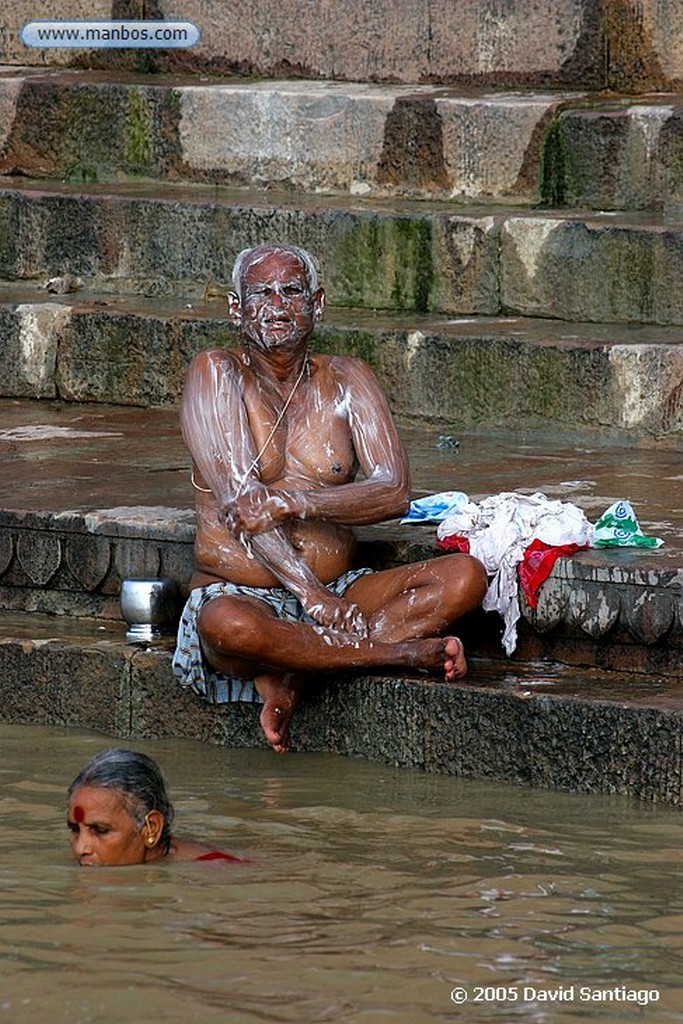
(374, 896)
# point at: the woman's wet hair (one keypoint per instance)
(249, 256)
(138, 779)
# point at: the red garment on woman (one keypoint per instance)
(217, 855)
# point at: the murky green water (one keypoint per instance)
(373, 894)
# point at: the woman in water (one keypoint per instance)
(120, 813)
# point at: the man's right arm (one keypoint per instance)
(213, 423)
(216, 431)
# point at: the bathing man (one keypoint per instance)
(290, 450)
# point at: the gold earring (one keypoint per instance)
(150, 840)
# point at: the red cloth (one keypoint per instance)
(217, 855)
(455, 543)
(537, 564)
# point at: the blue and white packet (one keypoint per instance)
(435, 507)
(618, 527)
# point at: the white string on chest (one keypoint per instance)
(281, 415)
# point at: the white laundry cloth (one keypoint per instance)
(499, 530)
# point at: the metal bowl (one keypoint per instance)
(150, 607)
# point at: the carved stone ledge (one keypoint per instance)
(39, 555)
(73, 564)
(647, 614)
(88, 558)
(551, 608)
(610, 597)
(135, 559)
(6, 551)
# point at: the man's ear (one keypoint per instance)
(234, 307)
(319, 304)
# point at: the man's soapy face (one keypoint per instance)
(277, 307)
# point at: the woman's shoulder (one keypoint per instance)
(188, 849)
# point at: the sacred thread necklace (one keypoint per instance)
(255, 461)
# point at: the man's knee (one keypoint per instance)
(477, 575)
(227, 625)
(467, 580)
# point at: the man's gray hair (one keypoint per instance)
(252, 255)
(138, 779)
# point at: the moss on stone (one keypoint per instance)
(386, 262)
(414, 268)
(336, 342)
(137, 133)
(82, 174)
(556, 167)
(358, 260)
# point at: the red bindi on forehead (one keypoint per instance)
(78, 813)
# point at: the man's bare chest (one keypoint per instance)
(312, 443)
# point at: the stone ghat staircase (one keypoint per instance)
(512, 266)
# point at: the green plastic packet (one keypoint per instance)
(618, 527)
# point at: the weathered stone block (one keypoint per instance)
(130, 358)
(371, 731)
(621, 157)
(161, 707)
(60, 683)
(492, 144)
(593, 270)
(557, 742)
(28, 356)
(619, 45)
(317, 138)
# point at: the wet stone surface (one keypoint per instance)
(537, 724)
(64, 457)
(94, 494)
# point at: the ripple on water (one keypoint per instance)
(372, 893)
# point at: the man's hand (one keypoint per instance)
(338, 618)
(259, 509)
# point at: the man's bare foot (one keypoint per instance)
(280, 697)
(455, 664)
(275, 724)
(438, 656)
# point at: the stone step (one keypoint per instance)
(376, 254)
(617, 44)
(94, 494)
(358, 139)
(621, 382)
(543, 725)
(617, 155)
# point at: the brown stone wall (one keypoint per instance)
(623, 45)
